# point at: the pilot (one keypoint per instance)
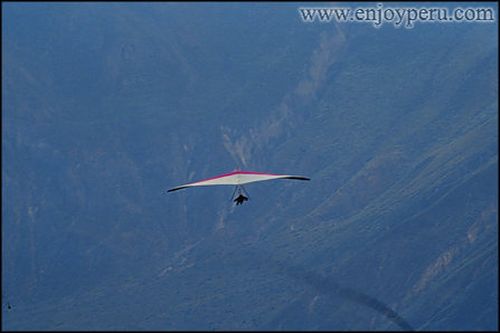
(240, 199)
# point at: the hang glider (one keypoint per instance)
(238, 179)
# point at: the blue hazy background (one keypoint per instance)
(104, 106)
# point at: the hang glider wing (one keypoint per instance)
(237, 178)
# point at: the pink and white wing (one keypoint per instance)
(237, 178)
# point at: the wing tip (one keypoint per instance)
(176, 188)
(299, 178)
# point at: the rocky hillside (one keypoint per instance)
(107, 105)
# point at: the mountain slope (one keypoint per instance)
(105, 106)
